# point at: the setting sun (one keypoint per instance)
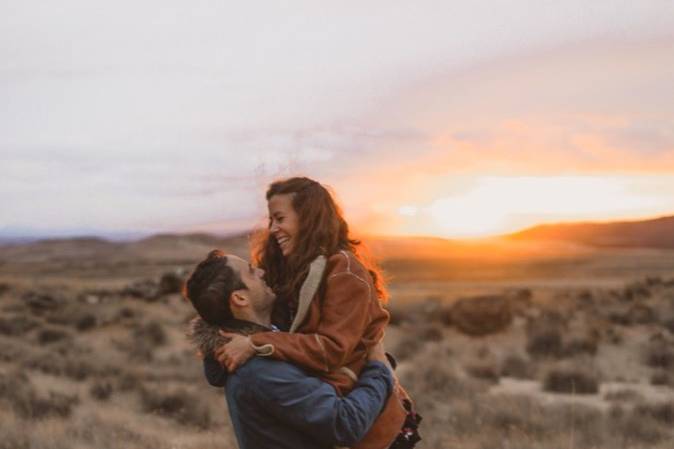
(496, 205)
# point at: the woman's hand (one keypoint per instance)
(236, 352)
(378, 353)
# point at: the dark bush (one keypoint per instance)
(41, 302)
(17, 325)
(180, 405)
(86, 321)
(484, 371)
(57, 404)
(52, 335)
(431, 333)
(545, 343)
(662, 412)
(72, 317)
(434, 376)
(669, 325)
(141, 351)
(79, 369)
(431, 310)
(571, 381)
(652, 281)
(620, 317)
(482, 315)
(662, 378)
(170, 283)
(11, 353)
(144, 289)
(129, 381)
(624, 395)
(616, 411)
(641, 314)
(407, 348)
(101, 390)
(126, 312)
(74, 367)
(636, 291)
(614, 336)
(18, 390)
(580, 346)
(152, 333)
(660, 355)
(516, 366)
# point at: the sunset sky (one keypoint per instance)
(454, 119)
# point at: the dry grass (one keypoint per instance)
(98, 359)
(180, 405)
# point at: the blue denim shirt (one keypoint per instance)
(275, 404)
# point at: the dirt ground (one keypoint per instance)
(524, 347)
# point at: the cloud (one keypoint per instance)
(187, 114)
(599, 106)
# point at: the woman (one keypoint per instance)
(329, 299)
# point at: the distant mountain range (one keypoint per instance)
(655, 233)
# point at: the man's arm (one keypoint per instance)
(215, 374)
(314, 407)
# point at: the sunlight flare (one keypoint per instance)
(500, 204)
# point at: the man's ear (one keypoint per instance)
(238, 298)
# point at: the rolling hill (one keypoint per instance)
(655, 233)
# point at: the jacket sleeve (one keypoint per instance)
(215, 374)
(313, 407)
(345, 314)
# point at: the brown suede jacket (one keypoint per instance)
(339, 318)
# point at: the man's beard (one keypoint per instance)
(264, 308)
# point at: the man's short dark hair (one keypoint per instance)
(210, 286)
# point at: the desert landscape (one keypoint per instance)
(508, 165)
(505, 343)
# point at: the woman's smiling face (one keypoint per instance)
(283, 221)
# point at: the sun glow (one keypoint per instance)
(496, 205)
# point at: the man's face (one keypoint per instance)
(260, 295)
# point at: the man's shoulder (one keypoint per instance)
(263, 368)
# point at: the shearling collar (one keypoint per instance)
(206, 337)
(308, 291)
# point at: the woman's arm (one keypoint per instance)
(348, 314)
(347, 309)
(345, 314)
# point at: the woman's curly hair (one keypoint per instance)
(322, 230)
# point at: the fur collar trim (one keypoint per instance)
(206, 338)
(308, 291)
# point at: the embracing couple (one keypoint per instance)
(296, 337)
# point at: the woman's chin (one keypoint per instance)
(286, 251)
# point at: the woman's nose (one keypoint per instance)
(273, 227)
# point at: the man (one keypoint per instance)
(275, 404)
